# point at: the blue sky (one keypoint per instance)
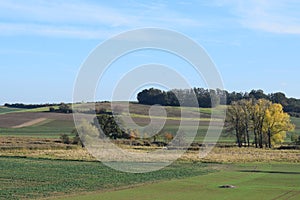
(254, 44)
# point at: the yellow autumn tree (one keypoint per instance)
(267, 120)
(276, 124)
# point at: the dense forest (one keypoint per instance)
(208, 98)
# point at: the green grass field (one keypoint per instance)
(252, 181)
(28, 178)
(47, 129)
(4, 110)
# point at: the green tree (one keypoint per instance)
(259, 114)
(295, 138)
(65, 138)
(235, 120)
(76, 138)
(65, 108)
(110, 127)
(246, 115)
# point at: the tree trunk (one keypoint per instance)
(245, 138)
(260, 140)
(238, 139)
(255, 138)
(248, 139)
(269, 139)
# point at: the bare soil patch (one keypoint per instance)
(30, 123)
(12, 120)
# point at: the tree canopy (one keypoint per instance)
(208, 98)
(267, 120)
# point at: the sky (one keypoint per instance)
(254, 44)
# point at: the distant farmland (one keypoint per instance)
(55, 124)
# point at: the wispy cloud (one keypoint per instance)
(83, 20)
(60, 12)
(15, 29)
(282, 17)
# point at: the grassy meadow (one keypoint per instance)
(28, 178)
(33, 178)
(251, 181)
(47, 129)
(4, 110)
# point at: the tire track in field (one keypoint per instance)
(287, 195)
(30, 123)
(293, 195)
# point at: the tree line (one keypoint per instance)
(53, 107)
(208, 98)
(29, 106)
(262, 120)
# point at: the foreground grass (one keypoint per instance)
(31, 178)
(252, 181)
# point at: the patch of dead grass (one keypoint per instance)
(54, 149)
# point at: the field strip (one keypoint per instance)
(175, 118)
(30, 123)
(43, 122)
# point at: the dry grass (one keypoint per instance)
(61, 154)
(47, 148)
(244, 155)
(29, 143)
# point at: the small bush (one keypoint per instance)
(51, 109)
(295, 138)
(76, 139)
(65, 139)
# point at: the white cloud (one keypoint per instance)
(61, 12)
(281, 17)
(83, 20)
(11, 29)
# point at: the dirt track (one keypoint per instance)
(30, 123)
(17, 120)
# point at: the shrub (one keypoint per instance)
(51, 109)
(65, 138)
(295, 138)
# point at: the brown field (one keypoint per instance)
(14, 120)
(22, 119)
(174, 122)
